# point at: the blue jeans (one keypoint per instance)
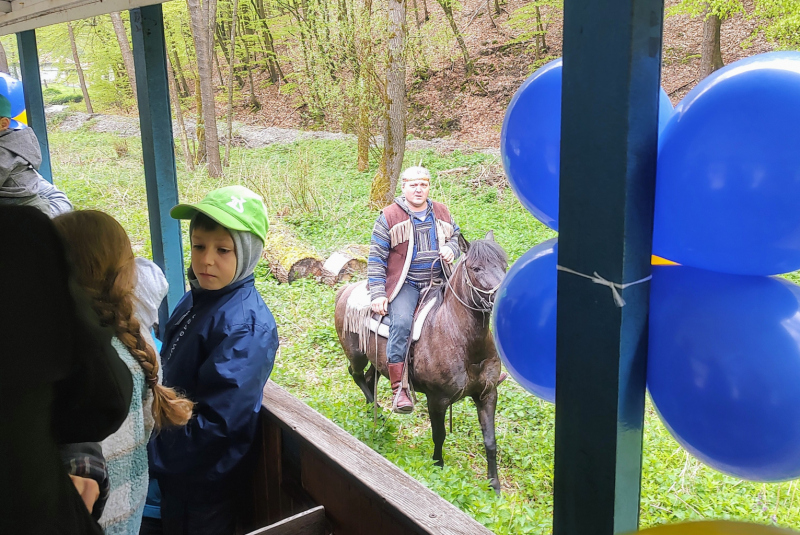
(401, 317)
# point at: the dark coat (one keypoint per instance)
(60, 379)
(218, 349)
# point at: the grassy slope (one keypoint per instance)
(320, 176)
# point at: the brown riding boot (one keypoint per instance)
(401, 401)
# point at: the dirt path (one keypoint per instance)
(251, 137)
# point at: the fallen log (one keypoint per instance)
(343, 265)
(289, 259)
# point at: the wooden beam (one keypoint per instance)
(34, 102)
(311, 522)
(158, 152)
(612, 64)
(34, 14)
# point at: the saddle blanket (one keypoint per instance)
(359, 318)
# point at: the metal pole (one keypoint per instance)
(34, 103)
(152, 87)
(612, 66)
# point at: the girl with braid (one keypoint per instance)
(104, 267)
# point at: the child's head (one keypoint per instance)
(103, 265)
(5, 113)
(227, 232)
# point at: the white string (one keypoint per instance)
(615, 286)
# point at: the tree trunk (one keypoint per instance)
(200, 126)
(447, 7)
(394, 136)
(427, 16)
(77, 61)
(125, 48)
(255, 105)
(711, 55)
(3, 60)
(416, 14)
(203, 20)
(176, 103)
(230, 85)
(180, 78)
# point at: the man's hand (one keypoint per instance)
(380, 305)
(88, 489)
(447, 254)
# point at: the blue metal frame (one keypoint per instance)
(34, 103)
(155, 117)
(612, 66)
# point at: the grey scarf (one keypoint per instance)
(248, 248)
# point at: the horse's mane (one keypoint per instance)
(485, 251)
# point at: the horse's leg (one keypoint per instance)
(357, 364)
(372, 376)
(486, 407)
(437, 408)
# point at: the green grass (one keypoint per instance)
(315, 187)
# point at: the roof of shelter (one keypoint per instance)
(21, 15)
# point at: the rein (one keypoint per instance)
(483, 304)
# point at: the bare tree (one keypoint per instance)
(203, 14)
(447, 7)
(711, 54)
(3, 60)
(176, 103)
(125, 48)
(230, 84)
(77, 61)
(394, 132)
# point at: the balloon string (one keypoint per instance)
(614, 286)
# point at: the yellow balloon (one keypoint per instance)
(22, 117)
(658, 261)
(717, 527)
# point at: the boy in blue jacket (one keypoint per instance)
(218, 349)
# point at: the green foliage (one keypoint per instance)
(724, 9)
(781, 22)
(54, 95)
(311, 364)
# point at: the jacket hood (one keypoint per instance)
(24, 144)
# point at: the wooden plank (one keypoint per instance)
(31, 15)
(399, 495)
(311, 522)
(607, 191)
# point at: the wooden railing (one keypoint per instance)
(306, 461)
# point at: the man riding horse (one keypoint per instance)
(411, 238)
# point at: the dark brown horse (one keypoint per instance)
(455, 356)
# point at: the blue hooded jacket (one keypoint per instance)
(218, 350)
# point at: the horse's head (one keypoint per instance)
(485, 265)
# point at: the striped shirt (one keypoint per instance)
(425, 261)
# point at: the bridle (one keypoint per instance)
(483, 303)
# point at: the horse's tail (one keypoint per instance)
(339, 293)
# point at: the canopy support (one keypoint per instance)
(34, 102)
(158, 152)
(612, 66)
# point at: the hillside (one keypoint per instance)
(442, 104)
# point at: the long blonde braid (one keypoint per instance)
(103, 262)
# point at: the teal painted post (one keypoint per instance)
(612, 66)
(34, 103)
(155, 118)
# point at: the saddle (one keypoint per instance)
(360, 319)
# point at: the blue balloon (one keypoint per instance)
(724, 369)
(530, 141)
(729, 171)
(525, 320)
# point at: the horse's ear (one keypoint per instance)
(463, 244)
(489, 236)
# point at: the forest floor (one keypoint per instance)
(445, 103)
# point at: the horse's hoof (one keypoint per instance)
(495, 484)
(439, 464)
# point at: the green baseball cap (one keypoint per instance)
(233, 207)
(5, 107)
